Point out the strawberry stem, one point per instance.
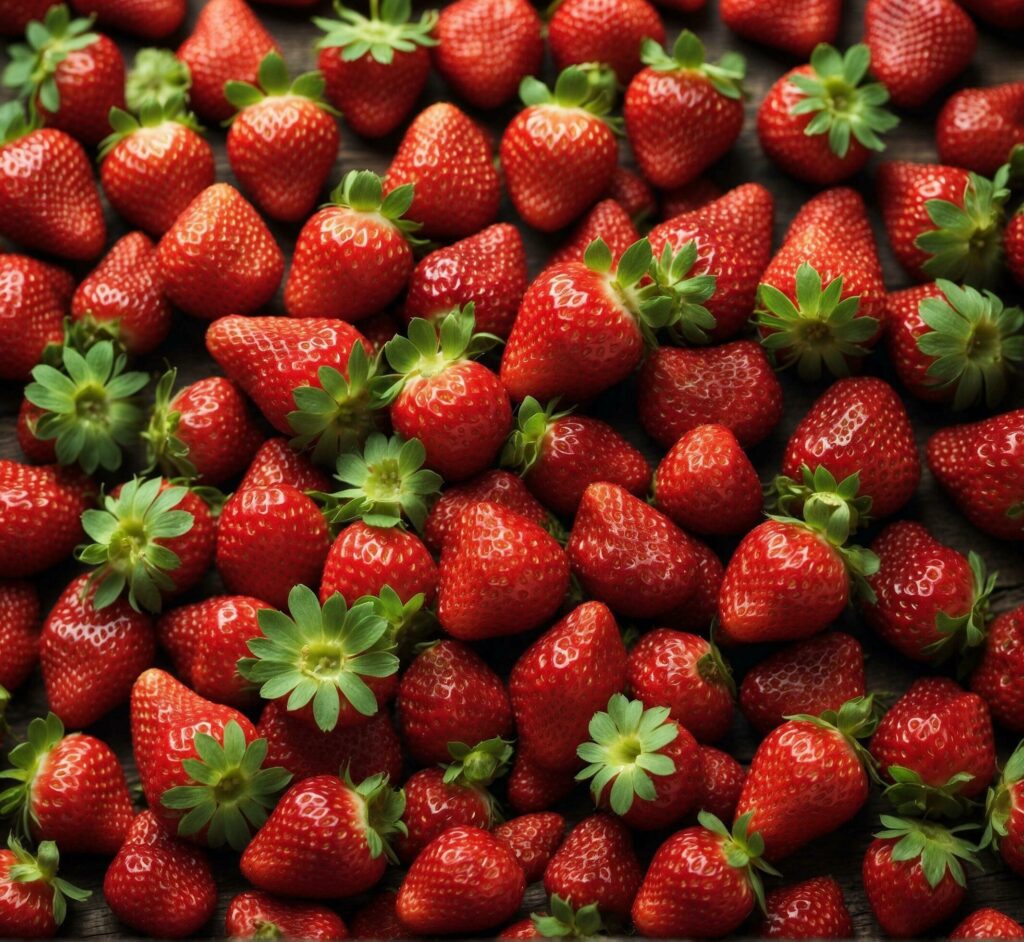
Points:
(938, 848)
(43, 868)
(564, 922)
(42, 737)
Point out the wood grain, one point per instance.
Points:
(999, 59)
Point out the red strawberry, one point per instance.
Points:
(533, 838)
(701, 608)
(813, 909)
(808, 677)
(998, 675)
(917, 46)
(227, 43)
(607, 221)
(15, 15)
(466, 880)
(159, 885)
(255, 915)
(532, 788)
(501, 574)
(377, 919)
(487, 47)
(1004, 812)
(31, 315)
(561, 680)
(979, 127)
(455, 196)
(147, 19)
(681, 113)
(721, 783)
(819, 122)
(19, 631)
(693, 195)
(34, 898)
(36, 449)
(219, 257)
(778, 24)
(988, 923)
(560, 454)
(559, 154)
(981, 466)
(276, 463)
(375, 67)
(632, 192)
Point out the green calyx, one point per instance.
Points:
(626, 750)
(978, 344)
(387, 30)
(157, 78)
(409, 623)
(821, 329)
(963, 633)
(152, 114)
(164, 449)
(524, 446)
(363, 191)
(841, 106)
(127, 547)
(320, 655)
(855, 720)
(831, 508)
(384, 809)
(33, 66)
(1000, 801)
(232, 794)
(564, 922)
(26, 758)
(742, 850)
(939, 849)
(88, 407)
(909, 795)
(274, 83)
(688, 55)
(43, 868)
(13, 122)
(581, 88)
(477, 765)
(966, 245)
(714, 669)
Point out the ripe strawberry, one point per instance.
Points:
(562, 921)
(988, 923)
(487, 47)
(721, 783)
(255, 915)
(147, 19)
(998, 675)
(15, 15)
(560, 454)
(31, 316)
(981, 466)
(822, 296)
(466, 880)
(1004, 813)
(377, 919)
(633, 193)
(703, 881)
(375, 67)
(700, 609)
(35, 449)
(276, 463)
(629, 555)
(808, 677)
(979, 127)
(687, 675)
(808, 777)
(731, 385)
(780, 25)
(533, 838)
(48, 199)
(157, 78)
(455, 196)
(71, 75)
(34, 898)
(561, 680)
(917, 46)
(819, 122)
(532, 788)
(159, 885)
(607, 221)
(19, 631)
(227, 43)
(219, 257)
(690, 196)
(501, 574)
(559, 154)
(610, 32)
(681, 113)
(813, 909)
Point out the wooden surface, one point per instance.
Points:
(999, 59)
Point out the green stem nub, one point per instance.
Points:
(380, 35)
(524, 446)
(909, 794)
(963, 633)
(1000, 802)
(43, 868)
(164, 450)
(410, 624)
(274, 83)
(688, 55)
(742, 850)
(577, 87)
(26, 758)
(477, 765)
(158, 80)
(564, 922)
(384, 809)
(938, 848)
(152, 113)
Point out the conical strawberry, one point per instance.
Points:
(979, 127)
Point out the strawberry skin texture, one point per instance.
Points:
(633, 193)
(998, 676)
(698, 611)
(561, 680)
(813, 909)
(693, 195)
(31, 316)
(988, 923)
(433, 807)
(1013, 243)
(26, 909)
(606, 220)
(19, 631)
(779, 24)
(275, 462)
(533, 838)
(903, 326)
(722, 779)
(159, 885)
(978, 127)
(147, 19)
(251, 915)
(532, 788)
(377, 919)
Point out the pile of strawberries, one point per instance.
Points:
(386, 568)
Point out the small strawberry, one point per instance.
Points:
(532, 788)
(988, 923)
(147, 19)
(978, 128)
(1004, 813)
(721, 783)
(19, 631)
(607, 221)
(998, 675)
(31, 316)
(633, 193)
(778, 24)
(377, 918)
(813, 909)
(533, 838)
(277, 463)
(681, 112)
(34, 898)
(256, 915)
(562, 922)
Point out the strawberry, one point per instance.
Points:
(559, 154)
(375, 67)
(807, 677)
(532, 788)
(31, 316)
(690, 196)
(808, 777)
(700, 609)
(819, 122)
(34, 897)
(606, 220)
(988, 923)
(555, 696)
(560, 454)
(929, 601)
(980, 466)
(682, 113)
(254, 915)
(19, 631)
(153, 166)
(455, 196)
(731, 385)
(276, 463)
(42, 515)
(219, 257)
(780, 25)
(533, 838)
(147, 19)
(71, 75)
(918, 46)
(703, 881)
(687, 675)
(34, 448)
(913, 875)
(465, 880)
(721, 783)
(813, 909)
(487, 47)
(979, 127)
(707, 484)
(1004, 813)
(377, 918)
(48, 199)
(159, 885)
(822, 296)
(610, 32)
(15, 15)
(632, 192)
(487, 269)
(227, 43)
(449, 694)
(501, 574)
(629, 555)
(283, 141)
(997, 676)
(563, 921)
(596, 864)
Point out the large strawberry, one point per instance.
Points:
(979, 127)
(31, 315)
(811, 909)
(33, 899)
(19, 631)
(999, 675)
(778, 24)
